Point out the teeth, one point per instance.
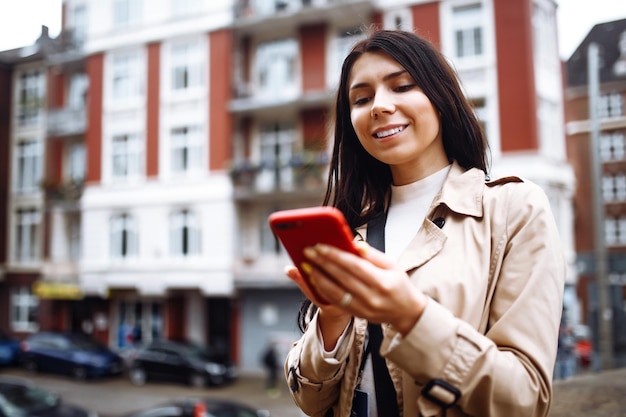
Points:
(389, 132)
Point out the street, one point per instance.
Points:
(591, 395)
(115, 397)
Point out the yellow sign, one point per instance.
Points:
(57, 290)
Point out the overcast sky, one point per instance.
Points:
(21, 20)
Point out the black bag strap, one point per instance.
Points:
(386, 397)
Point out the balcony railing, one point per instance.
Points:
(67, 121)
(67, 191)
(268, 15)
(245, 8)
(305, 172)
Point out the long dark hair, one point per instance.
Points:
(359, 184)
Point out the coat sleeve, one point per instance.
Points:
(508, 370)
(315, 382)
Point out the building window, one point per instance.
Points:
(185, 7)
(269, 242)
(73, 233)
(610, 105)
(187, 149)
(187, 68)
(612, 147)
(78, 23)
(614, 187)
(399, 19)
(126, 76)
(30, 91)
(28, 166)
(126, 156)
(276, 68)
(615, 231)
(545, 37)
(23, 310)
(468, 33)
(126, 13)
(342, 44)
(139, 322)
(276, 154)
(75, 163)
(185, 233)
(124, 236)
(77, 91)
(27, 234)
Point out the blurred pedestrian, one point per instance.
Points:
(566, 353)
(272, 366)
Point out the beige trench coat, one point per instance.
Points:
(494, 273)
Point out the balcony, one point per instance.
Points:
(68, 53)
(67, 122)
(247, 103)
(304, 176)
(280, 14)
(66, 193)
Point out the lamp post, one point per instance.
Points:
(605, 319)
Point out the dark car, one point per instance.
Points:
(73, 354)
(9, 349)
(193, 407)
(20, 397)
(181, 361)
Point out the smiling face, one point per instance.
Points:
(394, 120)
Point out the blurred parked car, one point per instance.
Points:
(69, 353)
(194, 407)
(21, 398)
(181, 361)
(9, 349)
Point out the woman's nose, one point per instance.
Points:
(382, 103)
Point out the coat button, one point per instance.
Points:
(439, 222)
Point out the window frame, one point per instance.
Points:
(272, 80)
(188, 140)
(126, 155)
(124, 236)
(185, 233)
(27, 234)
(28, 165)
(24, 306)
(30, 96)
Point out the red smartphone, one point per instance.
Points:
(299, 228)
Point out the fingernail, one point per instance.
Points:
(323, 249)
(309, 252)
(306, 267)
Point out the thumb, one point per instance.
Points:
(373, 255)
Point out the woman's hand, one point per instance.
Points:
(378, 290)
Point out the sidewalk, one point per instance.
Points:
(601, 394)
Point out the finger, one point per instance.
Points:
(373, 255)
(305, 285)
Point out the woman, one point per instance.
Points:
(469, 289)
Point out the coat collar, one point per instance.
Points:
(462, 192)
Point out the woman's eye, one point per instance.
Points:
(404, 88)
(360, 101)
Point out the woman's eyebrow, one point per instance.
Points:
(385, 78)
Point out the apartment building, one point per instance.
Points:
(23, 74)
(610, 39)
(201, 117)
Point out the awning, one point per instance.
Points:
(57, 290)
